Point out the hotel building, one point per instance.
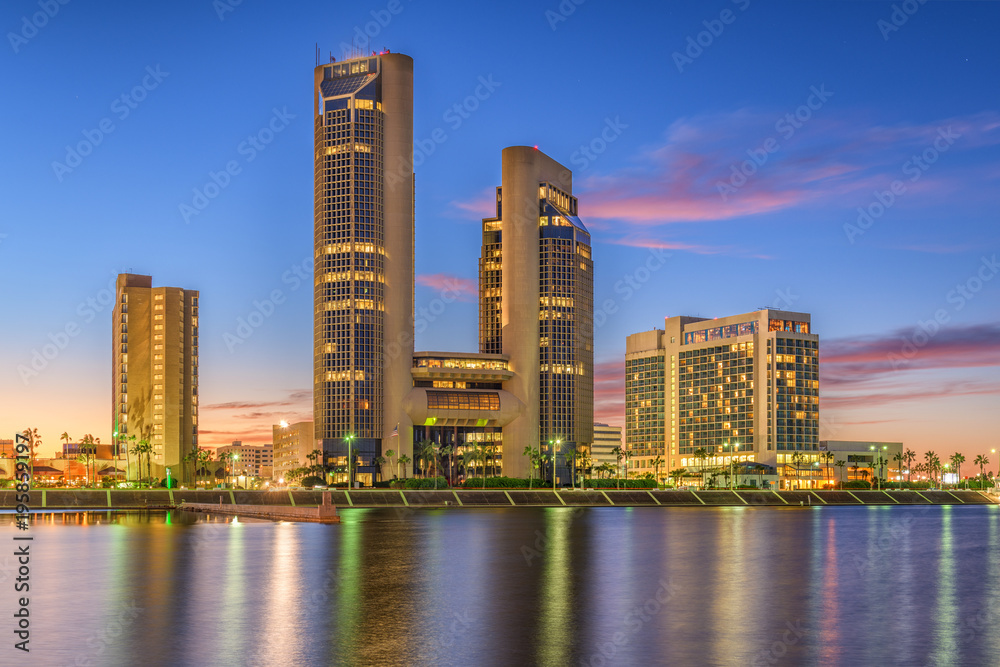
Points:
(536, 287)
(292, 444)
(364, 283)
(155, 371)
(701, 391)
(251, 460)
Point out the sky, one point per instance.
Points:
(838, 158)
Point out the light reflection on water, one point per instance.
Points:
(550, 586)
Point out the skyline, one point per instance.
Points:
(655, 184)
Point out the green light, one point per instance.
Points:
(482, 422)
(430, 421)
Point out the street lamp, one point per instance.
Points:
(554, 445)
(350, 440)
(732, 448)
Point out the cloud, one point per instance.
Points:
(463, 289)
(831, 160)
(854, 360)
(609, 392)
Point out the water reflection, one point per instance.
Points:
(552, 586)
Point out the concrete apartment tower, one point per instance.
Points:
(536, 306)
(745, 385)
(155, 373)
(364, 283)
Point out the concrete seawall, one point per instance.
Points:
(343, 499)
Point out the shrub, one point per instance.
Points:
(857, 484)
(311, 481)
(625, 483)
(503, 483)
(423, 484)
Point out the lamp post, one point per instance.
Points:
(350, 441)
(554, 444)
(733, 447)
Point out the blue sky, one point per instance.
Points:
(652, 126)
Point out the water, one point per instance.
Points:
(547, 586)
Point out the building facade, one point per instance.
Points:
(536, 289)
(250, 460)
(155, 372)
(291, 446)
(606, 438)
(364, 283)
(862, 460)
(702, 391)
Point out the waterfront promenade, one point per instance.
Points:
(161, 499)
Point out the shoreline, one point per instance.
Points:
(163, 499)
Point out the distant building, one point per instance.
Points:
(745, 386)
(606, 438)
(861, 457)
(155, 371)
(251, 460)
(292, 445)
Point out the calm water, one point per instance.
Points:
(609, 586)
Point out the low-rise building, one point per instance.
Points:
(606, 438)
(292, 444)
(862, 459)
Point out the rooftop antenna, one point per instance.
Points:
(317, 54)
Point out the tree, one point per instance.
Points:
(827, 459)
(529, 452)
(701, 454)
(427, 451)
(88, 447)
(469, 458)
(571, 460)
(34, 441)
(982, 461)
(379, 461)
(797, 458)
(390, 454)
(619, 455)
(143, 447)
(899, 458)
(656, 463)
(909, 456)
(677, 474)
(957, 460)
(840, 464)
(445, 454)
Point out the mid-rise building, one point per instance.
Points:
(363, 242)
(248, 460)
(536, 288)
(701, 391)
(606, 438)
(155, 372)
(292, 444)
(861, 460)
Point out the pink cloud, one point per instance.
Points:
(464, 289)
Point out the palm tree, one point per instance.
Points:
(529, 452)
(701, 454)
(469, 458)
(656, 463)
(899, 458)
(445, 454)
(982, 461)
(403, 460)
(619, 455)
(796, 460)
(425, 451)
(840, 464)
(929, 458)
(677, 474)
(571, 462)
(378, 462)
(827, 458)
(956, 461)
(88, 447)
(65, 438)
(34, 441)
(389, 454)
(909, 456)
